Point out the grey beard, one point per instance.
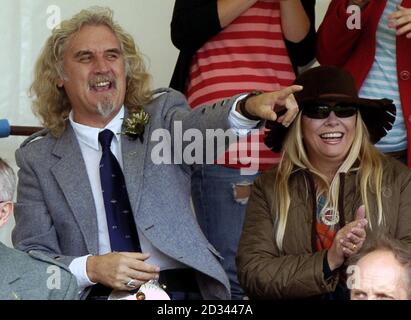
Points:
(105, 108)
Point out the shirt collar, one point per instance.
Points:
(89, 135)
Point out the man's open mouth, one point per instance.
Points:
(102, 85)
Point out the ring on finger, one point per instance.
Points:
(354, 246)
(131, 284)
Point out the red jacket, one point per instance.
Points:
(354, 50)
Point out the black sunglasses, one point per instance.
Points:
(323, 110)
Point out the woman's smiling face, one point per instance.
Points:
(328, 140)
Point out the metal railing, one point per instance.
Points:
(7, 130)
(23, 131)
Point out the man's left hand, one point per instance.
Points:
(267, 105)
(401, 20)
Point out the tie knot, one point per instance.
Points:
(105, 137)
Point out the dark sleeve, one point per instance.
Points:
(193, 23)
(328, 274)
(303, 52)
(335, 42)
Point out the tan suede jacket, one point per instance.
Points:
(265, 273)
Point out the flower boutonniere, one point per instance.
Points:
(135, 124)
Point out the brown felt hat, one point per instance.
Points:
(333, 84)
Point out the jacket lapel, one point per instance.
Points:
(299, 222)
(134, 157)
(71, 175)
(351, 196)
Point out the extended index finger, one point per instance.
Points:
(292, 111)
(284, 93)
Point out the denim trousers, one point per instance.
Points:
(220, 213)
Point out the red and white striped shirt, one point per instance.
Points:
(249, 54)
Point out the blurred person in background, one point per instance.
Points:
(377, 54)
(229, 47)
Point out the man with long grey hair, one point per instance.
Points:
(96, 200)
(33, 275)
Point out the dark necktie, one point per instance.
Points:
(120, 221)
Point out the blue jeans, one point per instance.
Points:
(220, 214)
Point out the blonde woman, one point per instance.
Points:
(331, 188)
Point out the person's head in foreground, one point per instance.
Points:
(333, 133)
(7, 187)
(381, 271)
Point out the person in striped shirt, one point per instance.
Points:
(228, 47)
(377, 55)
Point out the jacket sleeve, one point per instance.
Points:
(335, 41)
(303, 52)
(72, 292)
(200, 122)
(403, 230)
(193, 23)
(34, 228)
(263, 271)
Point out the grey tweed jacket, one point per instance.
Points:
(55, 211)
(34, 276)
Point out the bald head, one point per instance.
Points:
(380, 276)
(7, 181)
(7, 186)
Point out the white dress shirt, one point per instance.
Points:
(87, 138)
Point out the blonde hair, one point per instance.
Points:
(51, 103)
(295, 157)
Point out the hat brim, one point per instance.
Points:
(378, 116)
